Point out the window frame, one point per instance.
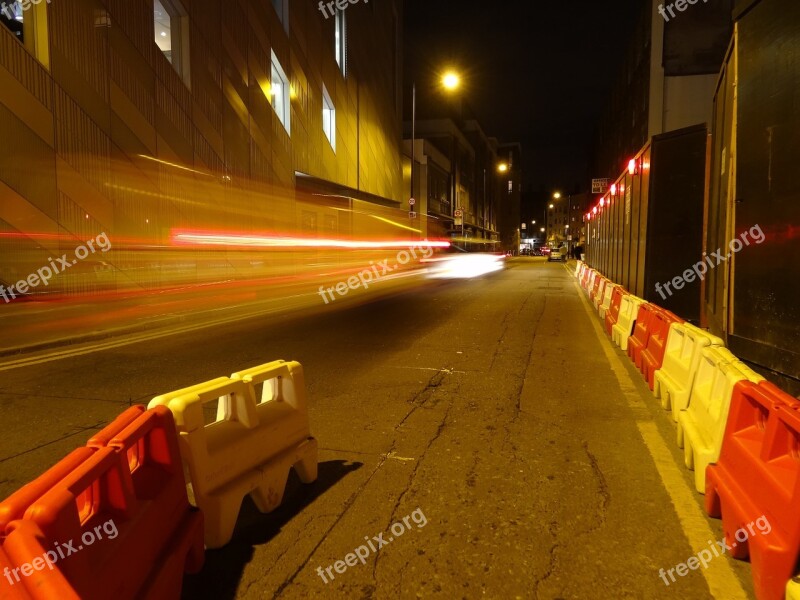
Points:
(330, 107)
(340, 41)
(283, 15)
(285, 101)
(179, 37)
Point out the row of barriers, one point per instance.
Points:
(128, 514)
(739, 433)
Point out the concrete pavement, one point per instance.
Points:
(491, 410)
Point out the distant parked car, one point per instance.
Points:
(557, 254)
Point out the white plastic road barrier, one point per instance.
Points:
(578, 269)
(701, 426)
(597, 299)
(249, 447)
(673, 381)
(628, 312)
(605, 304)
(590, 282)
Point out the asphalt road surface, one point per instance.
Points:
(488, 435)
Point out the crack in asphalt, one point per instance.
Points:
(347, 505)
(80, 430)
(413, 475)
(433, 383)
(552, 562)
(521, 384)
(596, 524)
(605, 495)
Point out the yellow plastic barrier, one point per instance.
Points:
(793, 589)
(628, 312)
(605, 303)
(701, 426)
(673, 381)
(250, 445)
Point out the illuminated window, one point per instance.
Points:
(510, 186)
(28, 23)
(282, 10)
(328, 118)
(341, 42)
(279, 93)
(170, 24)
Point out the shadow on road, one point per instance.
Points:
(223, 568)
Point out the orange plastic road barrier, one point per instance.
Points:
(597, 285)
(14, 507)
(130, 499)
(758, 475)
(641, 333)
(102, 439)
(584, 275)
(587, 277)
(622, 330)
(701, 425)
(613, 311)
(250, 447)
(653, 354)
(673, 381)
(605, 302)
(8, 591)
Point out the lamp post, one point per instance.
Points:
(450, 82)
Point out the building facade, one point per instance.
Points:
(458, 185)
(135, 118)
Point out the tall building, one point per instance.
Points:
(134, 118)
(667, 81)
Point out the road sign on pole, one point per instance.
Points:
(411, 202)
(600, 186)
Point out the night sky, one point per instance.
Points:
(536, 72)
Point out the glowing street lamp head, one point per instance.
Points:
(502, 167)
(451, 81)
(551, 206)
(557, 195)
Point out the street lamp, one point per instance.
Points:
(450, 82)
(502, 167)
